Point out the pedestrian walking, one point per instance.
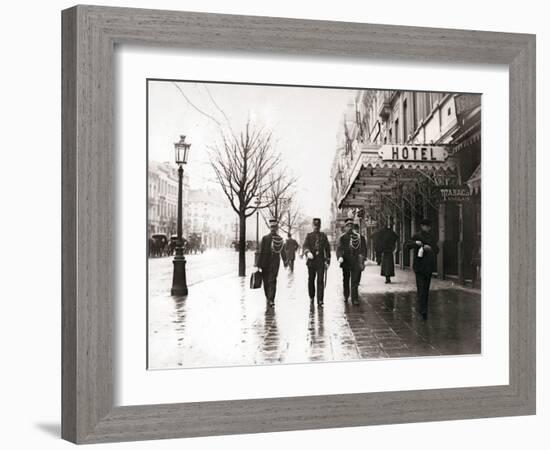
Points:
(351, 253)
(376, 245)
(424, 263)
(387, 239)
(317, 250)
(269, 259)
(289, 250)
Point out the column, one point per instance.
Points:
(413, 230)
(402, 233)
(441, 239)
(402, 121)
(460, 244)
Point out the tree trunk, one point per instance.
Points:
(242, 244)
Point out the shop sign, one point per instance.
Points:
(413, 153)
(455, 193)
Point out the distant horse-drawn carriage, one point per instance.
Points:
(194, 244)
(157, 245)
(160, 245)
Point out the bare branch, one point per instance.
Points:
(196, 108)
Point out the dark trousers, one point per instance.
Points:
(351, 276)
(269, 279)
(316, 271)
(423, 290)
(291, 264)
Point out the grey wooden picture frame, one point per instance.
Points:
(90, 34)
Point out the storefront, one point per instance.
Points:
(398, 185)
(403, 156)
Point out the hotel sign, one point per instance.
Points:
(413, 153)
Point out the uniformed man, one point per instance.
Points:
(269, 259)
(317, 251)
(351, 253)
(424, 263)
(290, 252)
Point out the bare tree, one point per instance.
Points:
(276, 200)
(285, 210)
(291, 218)
(243, 165)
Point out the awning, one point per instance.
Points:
(372, 176)
(464, 142)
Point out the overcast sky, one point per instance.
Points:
(305, 122)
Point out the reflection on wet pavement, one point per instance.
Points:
(222, 322)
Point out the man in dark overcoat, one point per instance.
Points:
(269, 259)
(290, 252)
(351, 253)
(424, 263)
(317, 251)
(387, 239)
(376, 245)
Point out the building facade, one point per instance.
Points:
(402, 156)
(211, 216)
(162, 198)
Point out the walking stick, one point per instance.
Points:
(325, 277)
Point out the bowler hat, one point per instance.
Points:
(426, 222)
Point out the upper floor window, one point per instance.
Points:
(414, 111)
(405, 113)
(396, 131)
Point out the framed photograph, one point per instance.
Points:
(277, 224)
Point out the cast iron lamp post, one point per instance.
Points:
(179, 282)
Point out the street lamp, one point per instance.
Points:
(179, 281)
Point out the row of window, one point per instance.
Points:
(159, 186)
(416, 107)
(164, 209)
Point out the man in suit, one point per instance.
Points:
(290, 252)
(351, 253)
(269, 259)
(317, 251)
(424, 263)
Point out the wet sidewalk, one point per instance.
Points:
(222, 322)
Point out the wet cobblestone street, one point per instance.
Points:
(223, 322)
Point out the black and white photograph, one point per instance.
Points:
(299, 224)
(275, 225)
